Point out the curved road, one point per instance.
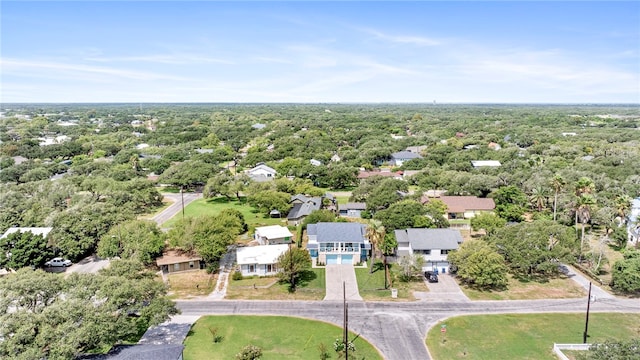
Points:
(398, 329)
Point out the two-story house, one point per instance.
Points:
(338, 243)
(432, 244)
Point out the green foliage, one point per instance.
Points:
(510, 203)
(249, 352)
(46, 315)
(613, 350)
(479, 265)
(209, 236)
(135, 239)
(269, 200)
(21, 249)
(535, 248)
(292, 265)
(488, 222)
(625, 275)
(410, 267)
(402, 215)
(322, 215)
(188, 174)
(237, 275)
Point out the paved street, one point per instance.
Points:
(398, 330)
(336, 275)
(175, 207)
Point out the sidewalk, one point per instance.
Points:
(226, 266)
(596, 291)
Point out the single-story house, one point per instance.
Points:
(273, 235)
(338, 243)
(259, 260)
(466, 207)
(353, 209)
(397, 159)
(315, 162)
(302, 207)
(44, 231)
(173, 261)
(485, 163)
(261, 173)
(432, 244)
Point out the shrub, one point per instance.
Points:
(249, 352)
(237, 275)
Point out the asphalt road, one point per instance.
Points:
(397, 329)
(176, 207)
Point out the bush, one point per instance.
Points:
(237, 275)
(249, 352)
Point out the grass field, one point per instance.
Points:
(556, 288)
(524, 336)
(312, 288)
(184, 285)
(279, 338)
(216, 205)
(371, 286)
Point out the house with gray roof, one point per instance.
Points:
(432, 244)
(338, 243)
(302, 207)
(397, 159)
(352, 209)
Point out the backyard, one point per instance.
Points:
(279, 338)
(524, 336)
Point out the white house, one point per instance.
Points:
(338, 243)
(259, 260)
(272, 235)
(485, 163)
(315, 162)
(432, 244)
(397, 159)
(262, 172)
(44, 231)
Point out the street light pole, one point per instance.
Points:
(182, 196)
(586, 323)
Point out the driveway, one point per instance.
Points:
(175, 207)
(88, 265)
(596, 291)
(335, 276)
(446, 289)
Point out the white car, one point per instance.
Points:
(57, 262)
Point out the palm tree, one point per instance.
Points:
(623, 205)
(375, 233)
(557, 183)
(539, 197)
(584, 185)
(583, 212)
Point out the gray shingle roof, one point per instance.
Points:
(344, 232)
(353, 206)
(427, 239)
(299, 210)
(405, 155)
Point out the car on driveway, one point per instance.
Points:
(431, 276)
(58, 262)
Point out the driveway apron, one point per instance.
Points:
(335, 276)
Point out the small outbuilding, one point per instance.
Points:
(174, 261)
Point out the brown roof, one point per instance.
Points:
(175, 257)
(458, 204)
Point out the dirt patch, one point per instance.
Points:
(189, 284)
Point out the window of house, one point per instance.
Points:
(176, 267)
(191, 264)
(444, 252)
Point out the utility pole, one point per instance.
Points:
(586, 323)
(182, 196)
(346, 321)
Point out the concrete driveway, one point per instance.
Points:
(446, 289)
(335, 276)
(88, 265)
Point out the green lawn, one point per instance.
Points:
(524, 336)
(215, 205)
(279, 337)
(560, 287)
(371, 286)
(312, 287)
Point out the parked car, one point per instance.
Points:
(431, 276)
(58, 262)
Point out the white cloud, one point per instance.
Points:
(403, 39)
(172, 59)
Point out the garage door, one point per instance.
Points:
(332, 259)
(347, 259)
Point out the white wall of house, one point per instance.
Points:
(258, 269)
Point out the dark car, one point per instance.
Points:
(431, 276)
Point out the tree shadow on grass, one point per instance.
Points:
(306, 277)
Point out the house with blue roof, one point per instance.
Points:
(338, 243)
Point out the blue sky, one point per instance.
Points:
(210, 51)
